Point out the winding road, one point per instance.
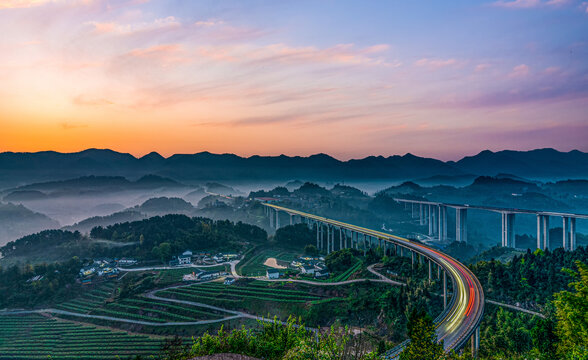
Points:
(462, 316)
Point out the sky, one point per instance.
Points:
(442, 79)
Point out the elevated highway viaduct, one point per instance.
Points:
(458, 323)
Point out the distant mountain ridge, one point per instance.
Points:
(20, 168)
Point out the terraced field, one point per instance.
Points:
(37, 337)
(139, 308)
(215, 292)
(90, 300)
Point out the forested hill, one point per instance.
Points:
(159, 237)
(48, 165)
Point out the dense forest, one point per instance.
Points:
(42, 284)
(156, 238)
(530, 279)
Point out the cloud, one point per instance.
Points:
(85, 100)
(14, 4)
(435, 64)
(482, 67)
(519, 71)
(17, 4)
(127, 29)
(584, 6)
(70, 126)
(341, 54)
(528, 4)
(208, 23)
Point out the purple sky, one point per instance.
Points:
(435, 78)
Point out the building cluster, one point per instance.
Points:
(203, 275)
(188, 258)
(99, 270)
(308, 266)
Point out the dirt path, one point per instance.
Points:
(273, 263)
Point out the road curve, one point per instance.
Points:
(459, 321)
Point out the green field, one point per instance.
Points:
(100, 301)
(37, 337)
(252, 264)
(90, 299)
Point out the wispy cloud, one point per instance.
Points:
(528, 4)
(127, 29)
(519, 71)
(435, 64)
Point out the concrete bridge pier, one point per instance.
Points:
(291, 219)
(271, 219)
(277, 219)
(412, 259)
(421, 215)
(430, 272)
(444, 290)
(508, 239)
(430, 216)
(542, 232)
(461, 225)
(364, 245)
(476, 342)
(572, 233)
(317, 237)
(442, 223)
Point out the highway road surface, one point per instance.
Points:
(459, 321)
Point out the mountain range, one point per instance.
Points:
(543, 164)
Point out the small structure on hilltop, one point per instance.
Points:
(184, 259)
(308, 269)
(272, 273)
(321, 274)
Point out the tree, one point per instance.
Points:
(423, 340)
(572, 315)
(311, 250)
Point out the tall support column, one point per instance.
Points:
(340, 238)
(508, 239)
(476, 342)
(317, 237)
(430, 271)
(546, 232)
(277, 219)
(322, 236)
(444, 289)
(328, 239)
(539, 243)
(438, 272)
(412, 210)
(412, 259)
(572, 234)
(364, 246)
(440, 224)
(565, 233)
(291, 220)
(430, 213)
(444, 223)
(461, 225)
(421, 215)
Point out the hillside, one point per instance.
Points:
(43, 166)
(17, 221)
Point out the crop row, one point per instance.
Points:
(244, 291)
(164, 314)
(193, 293)
(184, 308)
(35, 337)
(257, 289)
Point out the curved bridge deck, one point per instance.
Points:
(461, 318)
